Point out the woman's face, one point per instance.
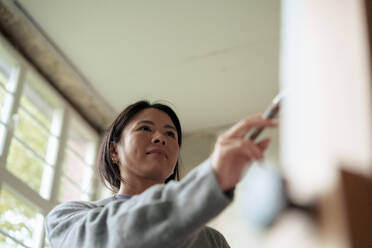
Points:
(148, 147)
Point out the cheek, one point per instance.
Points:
(175, 152)
(136, 145)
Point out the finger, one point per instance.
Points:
(242, 127)
(245, 148)
(235, 128)
(256, 123)
(253, 148)
(263, 144)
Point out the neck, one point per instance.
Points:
(135, 187)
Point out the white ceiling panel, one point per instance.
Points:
(214, 61)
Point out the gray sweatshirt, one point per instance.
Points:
(169, 215)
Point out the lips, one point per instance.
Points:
(158, 151)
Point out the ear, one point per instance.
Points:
(113, 153)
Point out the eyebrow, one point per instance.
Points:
(152, 123)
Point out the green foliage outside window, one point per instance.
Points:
(17, 218)
(24, 165)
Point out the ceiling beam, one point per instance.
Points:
(30, 40)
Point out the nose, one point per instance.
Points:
(159, 138)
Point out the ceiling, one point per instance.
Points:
(214, 61)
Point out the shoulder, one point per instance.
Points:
(69, 212)
(71, 207)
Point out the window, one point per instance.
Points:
(78, 161)
(47, 152)
(34, 136)
(5, 70)
(7, 85)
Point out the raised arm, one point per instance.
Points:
(162, 216)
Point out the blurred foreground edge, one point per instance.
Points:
(357, 197)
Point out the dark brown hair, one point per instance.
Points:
(108, 171)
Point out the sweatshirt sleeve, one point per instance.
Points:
(162, 216)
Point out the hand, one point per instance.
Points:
(232, 153)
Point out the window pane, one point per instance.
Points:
(24, 164)
(81, 139)
(78, 160)
(2, 99)
(69, 191)
(77, 142)
(4, 76)
(75, 169)
(5, 87)
(32, 133)
(17, 218)
(6, 65)
(35, 104)
(2, 137)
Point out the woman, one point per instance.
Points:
(138, 159)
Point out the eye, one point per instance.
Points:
(145, 128)
(171, 134)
